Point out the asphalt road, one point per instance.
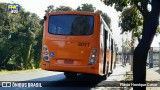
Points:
(57, 81)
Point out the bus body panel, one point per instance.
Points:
(109, 59)
(71, 53)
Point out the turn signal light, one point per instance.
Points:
(45, 53)
(93, 54)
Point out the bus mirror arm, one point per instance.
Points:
(44, 18)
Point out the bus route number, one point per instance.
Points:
(83, 44)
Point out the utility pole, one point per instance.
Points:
(151, 57)
(122, 51)
(132, 51)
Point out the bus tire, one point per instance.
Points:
(70, 75)
(104, 77)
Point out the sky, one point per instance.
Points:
(39, 6)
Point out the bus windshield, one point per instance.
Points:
(71, 24)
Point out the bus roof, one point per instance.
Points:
(106, 26)
(73, 12)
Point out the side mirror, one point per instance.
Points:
(44, 18)
(42, 21)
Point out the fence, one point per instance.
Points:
(153, 56)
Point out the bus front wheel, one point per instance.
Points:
(70, 75)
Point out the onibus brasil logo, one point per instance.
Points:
(13, 8)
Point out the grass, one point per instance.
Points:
(4, 72)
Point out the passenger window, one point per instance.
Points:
(106, 38)
(71, 24)
(109, 42)
(108, 46)
(101, 32)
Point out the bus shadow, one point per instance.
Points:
(59, 82)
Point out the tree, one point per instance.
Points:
(125, 50)
(106, 18)
(17, 37)
(150, 23)
(64, 8)
(86, 7)
(60, 8)
(8, 26)
(91, 8)
(131, 20)
(50, 9)
(83, 7)
(38, 44)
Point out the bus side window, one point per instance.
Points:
(114, 46)
(111, 44)
(106, 38)
(108, 41)
(101, 32)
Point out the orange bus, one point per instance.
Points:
(77, 42)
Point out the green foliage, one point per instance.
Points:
(21, 36)
(126, 45)
(118, 4)
(83, 7)
(91, 8)
(150, 23)
(18, 37)
(86, 7)
(64, 8)
(50, 9)
(134, 14)
(131, 20)
(106, 18)
(60, 8)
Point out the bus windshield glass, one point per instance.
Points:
(71, 24)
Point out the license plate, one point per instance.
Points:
(68, 61)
